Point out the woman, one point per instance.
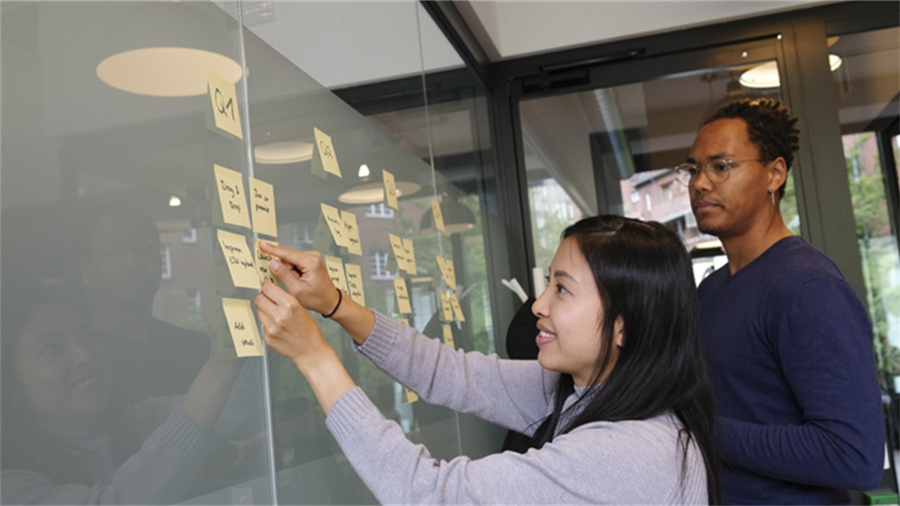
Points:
(65, 443)
(618, 399)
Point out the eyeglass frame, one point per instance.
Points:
(682, 170)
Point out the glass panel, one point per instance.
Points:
(866, 86)
(117, 356)
(369, 98)
(610, 150)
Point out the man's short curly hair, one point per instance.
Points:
(770, 126)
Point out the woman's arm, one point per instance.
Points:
(291, 331)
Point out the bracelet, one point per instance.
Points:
(340, 298)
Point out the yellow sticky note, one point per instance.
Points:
(239, 259)
(403, 306)
(262, 207)
(438, 216)
(411, 396)
(355, 284)
(457, 309)
(410, 253)
(335, 224)
(390, 190)
(243, 327)
(224, 102)
(446, 308)
(448, 335)
(322, 237)
(351, 232)
(230, 184)
(404, 321)
(399, 252)
(326, 153)
(335, 268)
(447, 272)
(262, 263)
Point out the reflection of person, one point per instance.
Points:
(618, 398)
(64, 442)
(787, 339)
(122, 270)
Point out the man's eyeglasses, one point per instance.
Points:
(716, 170)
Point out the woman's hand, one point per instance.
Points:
(289, 328)
(305, 276)
(291, 331)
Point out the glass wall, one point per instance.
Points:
(133, 369)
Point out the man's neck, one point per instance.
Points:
(742, 249)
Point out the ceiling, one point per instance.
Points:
(513, 28)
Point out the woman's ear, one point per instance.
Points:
(619, 332)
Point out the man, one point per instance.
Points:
(122, 271)
(789, 344)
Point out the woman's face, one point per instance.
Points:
(63, 368)
(569, 314)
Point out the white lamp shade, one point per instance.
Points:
(168, 49)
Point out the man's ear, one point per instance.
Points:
(777, 173)
(619, 332)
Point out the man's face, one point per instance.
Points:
(731, 207)
(124, 266)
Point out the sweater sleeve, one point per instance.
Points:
(824, 343)
(631, 462)
(512, 393)
(161, 472)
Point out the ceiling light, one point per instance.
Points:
(457, 216)
(168, 49)
(174, 201)
(280, 153)
(363, 171)
(371, 193)
(765, 75)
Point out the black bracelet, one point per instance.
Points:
(340, 298)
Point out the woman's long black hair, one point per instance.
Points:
(645, 276)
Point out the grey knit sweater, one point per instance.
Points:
(630, 462)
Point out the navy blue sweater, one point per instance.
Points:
(789, 346)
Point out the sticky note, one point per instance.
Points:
(438, 216)
(243, 327)
(410, 253)
(402, 294)
(239, 259)
(322, 238)
(224, 102)
(410, 396)
(325, 151)
(390, 190)
(351, 232)
(448, 335)
(399, 252)
(355, 284)
(335, 268)
(335, 224)
(446, 308)
(262, 207)
(230, 185)
(457, 309)
(262, 263)
(447, 271)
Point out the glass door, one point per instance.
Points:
(612, 149)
